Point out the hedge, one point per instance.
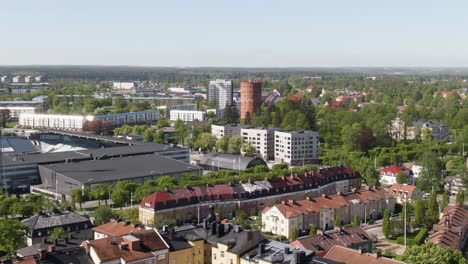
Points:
(421, 236)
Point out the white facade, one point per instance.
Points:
(124, 85)
(263, 139)
(187, 115)
(221, 91)
(416, 170)
(15, 111)
(229, 130)
(28, 79)
(131, 117)
(68, 122)
(17, 79)
(296, 147)
(169, 108)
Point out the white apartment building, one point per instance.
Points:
(29, 79)
(187, 115)
(296, 147)
(228, 130)
(222, 91)
(263, 139)
(67, 122)
(17, 79)
(124, 86)
(168, 108)
(15, 111)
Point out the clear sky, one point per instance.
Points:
(245, 33)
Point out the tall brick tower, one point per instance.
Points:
(251, 97)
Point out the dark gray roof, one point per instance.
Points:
(429, 124)
(18, 144)
(47, 158)
(59, 246)
(275, 253)
(95, 171)
(51, 220)
(229, 161)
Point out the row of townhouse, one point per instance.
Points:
(286, 216)
(192, 203)
(293, 147)
(76, 122)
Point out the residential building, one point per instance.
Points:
(28, 79)
(185, 115)
(25, 87)
(452, 229)
(444, 94)
(345, 255)
(192, 203)
(228, 130)
(262, 139)
(41, 225)
(60, 178)
(282, 218)
(251, 98)
(274, 252)
(146, 246)
(399, 130)
(59, 252)
(76, 122)
(221, 91)
(115, 228)
(216, 161)
(405, 192)
(17, 79)
(296, 147)
(45, 246)
(16, 111)
(417, 169)
(4, 79)
(388, 175)
(168, 108)
(354, 237)
(124, 86)
(454, 185)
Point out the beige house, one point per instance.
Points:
(405, 192)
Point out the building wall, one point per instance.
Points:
(296, 147)
(187, 115)
(262, 140)
(221, 91)
(67, 122)
(220, 131)
(16, 111)
(251, 97)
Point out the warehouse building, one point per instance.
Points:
(63, 177)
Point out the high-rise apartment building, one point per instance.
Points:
(222, 91)
(296, 147)
(262, 139)
(251, 98)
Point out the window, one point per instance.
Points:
(214, 256)
(222, 254)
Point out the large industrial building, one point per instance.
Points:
(222, 91)
(20, 172)
(60, 178)
(251, 98)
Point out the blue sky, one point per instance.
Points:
(255, 33)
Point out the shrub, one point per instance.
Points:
(401, 240)
(421, 236)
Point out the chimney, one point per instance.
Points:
(133, 244)
(283, 202)
(220, 230)
(339, 193)
(360, 251)
(367, 188)
(378, 254)
(354, 190)
(205, 223)
(291, 202)
(51, 249)
(261, 248)
(308, 198)
(165, 229)
(127, 223)
(287, 250)
(324, 195)
(299, 257)
(42, 253)
(213, 228)
(66, 240)
(237, 229)
(283, 178)
(338, 228)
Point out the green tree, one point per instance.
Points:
(235, 144)
(223, 144)
(23, 208)
(337, 221)
(313, 230)
(166, 182)
(386, 224)
(120, 197)
(445, 200)
(433, 208)
(100, 192)
(79, 196)
(102, 215)
(248, 149)
(430, 175)
(402, 178)
(181, 133)
(58, 233)
(294, 234)
(420, 214)
(163, 123)
(206, 142)
(460, 198)
(356, 221)
(430, 253)
(12, 235)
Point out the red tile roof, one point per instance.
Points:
(314, 205)
(336, 103)
(116, 228)
(146, 242)
(351, 256)
(395, 169)
(324, 241)
(452, 228)
(396, 188)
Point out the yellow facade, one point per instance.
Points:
(221, 255)
(192, 255)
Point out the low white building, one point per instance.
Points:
(388, 175)
(67, 122)
(417, 169)
(296, 147)
(262, 139)
(15, 111)
(124, 86)
(185, 115)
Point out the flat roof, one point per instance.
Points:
(95, 171)
(45, 158)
